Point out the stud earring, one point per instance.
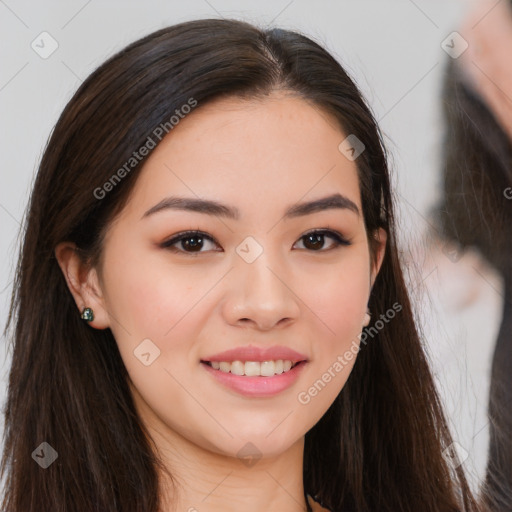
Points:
(367, 318)
(87, 315)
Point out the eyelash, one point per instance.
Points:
(337, 237)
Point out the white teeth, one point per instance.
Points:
(250, 368)
(254, 368)
(279, 366)
(237, 367)
(267, 369)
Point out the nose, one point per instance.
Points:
(261, 295)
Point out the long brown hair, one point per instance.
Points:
(378, 447)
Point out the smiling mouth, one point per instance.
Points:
(254, 368)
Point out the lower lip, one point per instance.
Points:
(257, 387)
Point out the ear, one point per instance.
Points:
(381, 237)
(83, 283)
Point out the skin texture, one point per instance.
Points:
(260, 156)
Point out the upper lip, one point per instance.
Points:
(252, 353)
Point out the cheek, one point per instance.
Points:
(338, 301)
(156, 313)
(338, 295)
(171, 306)
(148, 299)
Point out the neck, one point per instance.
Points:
(214, 482)
(205, 480)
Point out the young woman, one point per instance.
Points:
(210, 232)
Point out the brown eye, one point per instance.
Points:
(190, 242)
(315, 240)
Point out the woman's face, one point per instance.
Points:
(254, 278)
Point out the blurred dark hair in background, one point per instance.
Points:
(476, 211)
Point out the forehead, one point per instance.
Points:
(254, 153)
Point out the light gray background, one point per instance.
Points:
(393, 50)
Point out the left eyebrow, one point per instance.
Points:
(210, 207)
